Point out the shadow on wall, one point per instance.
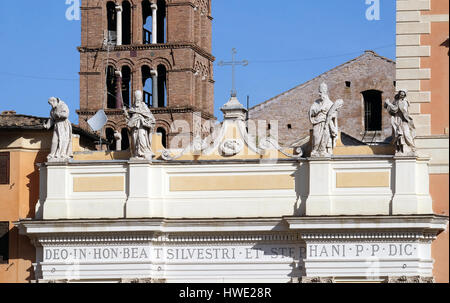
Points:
(301, 189)
(446, 44)
(33, 183)
(21, 252)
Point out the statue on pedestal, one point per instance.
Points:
(61, 149)
(141, 125)
(323, 116)
(403, 129)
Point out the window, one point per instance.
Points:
(372, 110)
(111, 87)
(147, 84)
(112, 22)
(4, 242)
(126, 86)
(162, 86)
(147, 22)
(161, 20)
(4, 168)
(348, 83)
(126, 23)
(125, 139)
(163, 133)
(289, 126)
(111, 139)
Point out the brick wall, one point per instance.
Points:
(186, 56)
(367, 72)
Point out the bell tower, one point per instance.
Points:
(162, 47)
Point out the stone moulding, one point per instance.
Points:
(142, 281)
(413, 279)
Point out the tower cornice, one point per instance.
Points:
(138, 47)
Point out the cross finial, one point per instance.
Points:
(233, 64)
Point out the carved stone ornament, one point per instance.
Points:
(268, 143)
(318, 280)
(231, 147)
(142, 281)
(413, 279)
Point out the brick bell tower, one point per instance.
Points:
(162, 47)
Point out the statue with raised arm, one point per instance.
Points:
(323, 116)
(61, 149)
(403, 129)
(141, 124)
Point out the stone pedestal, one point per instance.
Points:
(319, 202)
(411, 187)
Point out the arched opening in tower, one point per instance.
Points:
(112, 22)
(126, 85)
(372, 110)
(163, 133)
(147, 22)
(162, 86)
(126, 23)
(162, 22)
(110, 87)
(109, 133)
(147, 85)
(125, 139)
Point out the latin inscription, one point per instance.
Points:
(232, 253)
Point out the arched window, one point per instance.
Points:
(147, 85)
(126, 85)
(147, 22)
(372, 110)
(110, 138)
(162, 21)
(163, 133)
(162, 86)
(126, 23)
(125, 139)
(112, 22)
(111, 87)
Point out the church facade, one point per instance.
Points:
(235, 211)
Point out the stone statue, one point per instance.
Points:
(323, 116)
(403, 129)
(118, 138)
(141, 125)
(61, 149)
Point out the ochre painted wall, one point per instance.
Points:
(438, 108)
(440, 193)
(17, 201)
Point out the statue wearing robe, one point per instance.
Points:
(61, 149)
(141, 125)
(403, 129)
(323, 116)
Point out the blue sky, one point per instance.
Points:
(286, 42)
